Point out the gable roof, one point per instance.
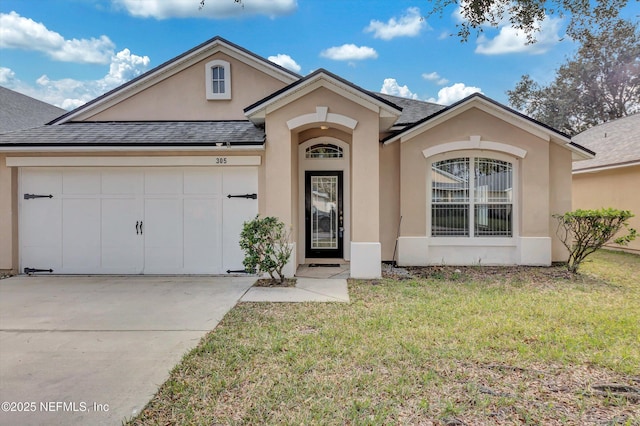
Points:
(321, 77)
(134, 135)
(177, 64)
(616, 142)
(490, 106)
(18, 111)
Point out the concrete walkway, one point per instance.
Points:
(306, 290)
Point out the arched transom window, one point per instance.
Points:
(471, 197)
(323, 151)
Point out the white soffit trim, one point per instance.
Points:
(171, 148)
(327, 82)
(474, 142)
(322, 116)
(219, 161)
(175, 67)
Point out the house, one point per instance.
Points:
(19, 111)
(610, 179)
(158, 175)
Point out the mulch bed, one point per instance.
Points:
(268, 282)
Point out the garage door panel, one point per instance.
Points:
(43, 182)
(81, 182)
(236, 211)
(202, 242)
(163, 233)
(121, 250)
(80, 235)
(163, 181)
(122, 181)
(201, 181)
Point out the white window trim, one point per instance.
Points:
(473, 239)
(209, 80)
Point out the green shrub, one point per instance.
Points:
(265, 243)
(584, 231)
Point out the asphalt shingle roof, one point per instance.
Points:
(412, 110)
(18, 111)
(156, 133)
(615, 143)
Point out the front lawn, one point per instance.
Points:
(449, 346)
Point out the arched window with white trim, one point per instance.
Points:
(218, 80)
(472, 196)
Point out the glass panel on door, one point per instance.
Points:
(324, 212)
(324, 219)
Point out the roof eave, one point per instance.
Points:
(257, 111)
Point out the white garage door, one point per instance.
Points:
(135, 220)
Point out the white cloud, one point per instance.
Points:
(512, 40)
(7, 76)
(409, 25)
(17, 32)
(212, 9)
(68, 93)
(450, 94)
(285, 61)
(349, 52)
(390, 86)
(435, 77)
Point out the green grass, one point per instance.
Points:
(479, 346)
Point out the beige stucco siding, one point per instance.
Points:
(389, 198)
(182, 96)
(541, 179)
(559, 195)
(281, 168)
(615, 188)
(533, 179)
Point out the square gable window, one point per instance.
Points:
(218, 83)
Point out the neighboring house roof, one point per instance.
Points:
(138, 134)
(617, 144)
(177, 64)
(18, 111)
(497, 109)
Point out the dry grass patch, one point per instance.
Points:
(480, 346)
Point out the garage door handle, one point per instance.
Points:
(137, 229)
(140, 227)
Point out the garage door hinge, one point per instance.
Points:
(31, 271)
(251, 196)
(30, 196)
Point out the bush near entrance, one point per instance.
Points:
(265, 243)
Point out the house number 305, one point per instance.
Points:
(221, 160)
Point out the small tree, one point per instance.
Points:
(265, 243)
(584, 231)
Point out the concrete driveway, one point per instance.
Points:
(93, 350)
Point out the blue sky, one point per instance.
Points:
(67, 52)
